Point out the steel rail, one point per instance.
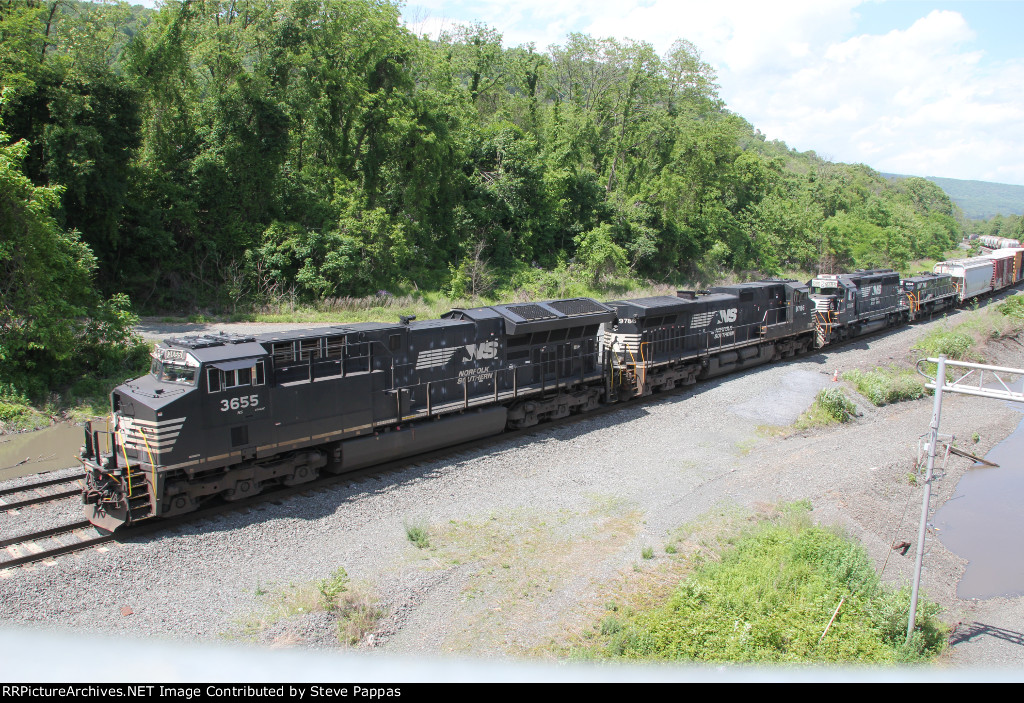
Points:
(44, 533)
(41, 499)
(41, 484)
(56, 551)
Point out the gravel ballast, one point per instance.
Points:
(528, 535)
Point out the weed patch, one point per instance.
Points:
(418, 536)
(885, 386)
(354, 608)
(830, 406)
(769, 598)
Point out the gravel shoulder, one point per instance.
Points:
(529, 536)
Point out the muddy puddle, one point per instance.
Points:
(27, 453)
(983, 522)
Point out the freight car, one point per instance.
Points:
(996, 243)
(226, 416)
(972, 277)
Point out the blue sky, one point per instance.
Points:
(922, 88)
(915, 87)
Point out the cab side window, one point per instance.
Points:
(237, 377)
(213, 380)
(218, 379)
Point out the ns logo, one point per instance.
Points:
(482, 351)
(727, 315)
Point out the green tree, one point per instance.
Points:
(54, 325)
(599, 254)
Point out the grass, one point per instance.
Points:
(768, 597)
(515, 563)
(884, 386)
(830, 406)
(354, 608)
(88, 398)
(963, 342)
(523, 285)
(418, 536)
(17, 413)
(966, 340)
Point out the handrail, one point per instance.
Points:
(152, 464)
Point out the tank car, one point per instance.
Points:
(996, 243)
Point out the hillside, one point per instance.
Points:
(980, 200)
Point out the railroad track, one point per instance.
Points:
(47, 544)
(58, 541)
(40, 492)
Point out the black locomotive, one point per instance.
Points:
(226, 415)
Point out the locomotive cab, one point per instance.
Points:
(158, 422)
(829, 293)
(852, 304)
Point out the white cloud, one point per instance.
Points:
(919, 100)
(911, 101)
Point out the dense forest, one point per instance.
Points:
(222, 152)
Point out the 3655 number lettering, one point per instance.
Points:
(239, 403)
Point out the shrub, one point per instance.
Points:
(885, 386)
(954, 344)
(1013, 307)
(830, 406)
(834, 402)
(770, 599)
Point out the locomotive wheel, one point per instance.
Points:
(179, 504)
(303, 474)
(243, 489)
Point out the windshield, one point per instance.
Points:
(171, 372)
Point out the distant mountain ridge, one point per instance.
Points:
(980, 200)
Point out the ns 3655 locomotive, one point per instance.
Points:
(226, 416)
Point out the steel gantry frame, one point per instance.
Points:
(971, 382)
